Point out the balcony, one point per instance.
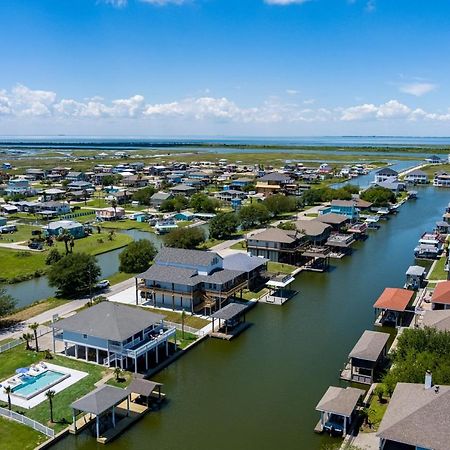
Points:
(151, 341)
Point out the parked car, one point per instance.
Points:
(35, 245)
(103, 284)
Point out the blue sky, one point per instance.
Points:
(225, 67)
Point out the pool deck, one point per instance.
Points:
(75, 376)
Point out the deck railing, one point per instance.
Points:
(27, 421)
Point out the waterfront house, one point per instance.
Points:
(416, 417)
(75, 176)
(386, 174)
(35, 174)
(366, 358)
(441, 296)
(441, 179)
(110, 213)
(434, 159)
(415, 277)
(437, 318)
(337, 221)
(430, 246)
(395, 186)
(158, 198)
(417, 176)
(113, 334)
(277, 245)
(316, 231)
(391, 308)
(80, 185)
(192, 280)
(255, 268)
(338, 409)
(56, 228)
(344, 207)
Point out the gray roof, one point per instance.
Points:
(161, 196)
(387, 171)
(277, 235)
(243, 262)
(417, 416)
(221, 276)
(229, 311)
(100, 399)
(437, 318)
(169, 255)
(182, 187)
(332, 218)
(340, 401)
(65, 224)
(417, 271)
(167, 274)
(369, 346)
(312, 227)
(275, 176)
(109, 320)
(417, 172)
(142, 386)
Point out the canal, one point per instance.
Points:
(259, 391)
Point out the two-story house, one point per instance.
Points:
(345, 207)
(417, 177)
(192, 280)
(277, 245)
(19, 186)
(386, 174)
(114, 335)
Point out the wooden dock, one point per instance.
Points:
(231, 333)
(82, 423)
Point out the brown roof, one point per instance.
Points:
(441, 293)
(332, 218)
(437, 318)
(277, 235)
(312, 227)
(394, 299)
(369, 346)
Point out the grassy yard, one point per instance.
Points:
(127, 224)
(375, 413)
(438, 272)
(188, 339)
(275, 267)
(431, 169)
(23, 233)
(21, 265)
(250, 295)
(118, 277)
(241, 245)
(35, 309)
(15, 436)
(174, 316)
(19, 357)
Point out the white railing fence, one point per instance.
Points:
(186, 328)
(16, 342)
(27, 421)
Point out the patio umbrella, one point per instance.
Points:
(22, 370)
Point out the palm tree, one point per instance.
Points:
(85, 196)
(117, 373)
(8, 391)
(65, 237)
(183, 315)
(114, 206)
(50, 395)
(34, 326)
(27, 338)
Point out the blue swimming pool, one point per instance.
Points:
(33, 385)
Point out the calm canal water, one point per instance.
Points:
(259, 391)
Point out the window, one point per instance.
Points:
(85, 336)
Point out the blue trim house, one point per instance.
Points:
(344, 207)
(56, 228)
(113, 334)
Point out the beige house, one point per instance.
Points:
(110, 213)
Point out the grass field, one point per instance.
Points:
(375, 412)
(35, 309)
(21, 265)
(275, 267)
(118, 277)
(438, 272)
(23, 233)
(431, 169)
(126, 224)
(15, 436)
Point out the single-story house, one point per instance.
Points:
(56, 228)
(110, 213)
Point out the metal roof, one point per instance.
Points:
(142, 386)
(369, 346)
(340, 401)
(229, 311)
(100, 400)
(243, 262)
(109, 320)
(417, 271)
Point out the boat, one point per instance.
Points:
(165, 226)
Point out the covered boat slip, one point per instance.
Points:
(391, 308)
(338, 408)
(231, 321)
(366, 358)
(279, 293)
(109, 410)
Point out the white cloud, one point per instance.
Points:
(23, 104)
(292, 92)
(309, 101)
(417, 88)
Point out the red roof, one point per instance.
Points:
(394, 299)
(441, 293)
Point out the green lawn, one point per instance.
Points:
(431, 169)
(22, 265)
(35, 309)
(127, 224)
(15, 436)
(188, 339)
(19, 357)
(250, 295)
(175, 316)
(275, 267)
(241, 245)
(375, 413)
(438, 272)
(23, 233)
(118, 277)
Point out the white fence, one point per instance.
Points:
(27, 421)
(16, 342)
(186, 328)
